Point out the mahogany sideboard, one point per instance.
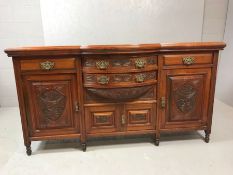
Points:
(109, 90)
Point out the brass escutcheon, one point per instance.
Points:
(140, 63)
(103, 79)
(188, 60)
(47, 65)
(102, 64)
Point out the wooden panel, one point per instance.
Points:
(187, 96)
(119, 63)
(120, 80)
(102, 119)
(51, 102)
(198, 58)
(35, 64)
(140, 116)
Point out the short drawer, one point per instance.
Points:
(191, 59)
(120, 80)
(119, 63)
(47, 64)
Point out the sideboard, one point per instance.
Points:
(110, 90)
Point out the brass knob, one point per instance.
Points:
(140, 63)
(102, 64)
(140, 78)
(47, 65)
(188, 60)
(103, 79)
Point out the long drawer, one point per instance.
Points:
(119, 63)
(120, 80)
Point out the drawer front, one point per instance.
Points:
(140, 116)
(120, 80)
(101, 119)
(94, 95)
(188, 59)
(47, 64)
(119, 63)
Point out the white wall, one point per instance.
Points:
(71, 22)
(20, 25)
(214, 20)
(224, 89)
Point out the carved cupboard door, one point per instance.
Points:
(51, 103)
(184, 97)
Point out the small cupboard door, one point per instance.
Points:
(52, 104)
(139, 116)
(184, 97)
(102, 119)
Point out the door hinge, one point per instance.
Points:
(163, 102)
(77, 107)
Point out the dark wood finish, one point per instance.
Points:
(109, 90)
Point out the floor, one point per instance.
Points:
(178, 154)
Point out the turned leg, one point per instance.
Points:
(157, 139)
(207, 136)
(28, 149)
(84, 147)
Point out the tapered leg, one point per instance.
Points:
(157, 139)
(28, 149)
(84, 147)
(207, 136)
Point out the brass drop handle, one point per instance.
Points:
(188, 60)
(163, 102)
(47, 65)
(123, 120)
(103, 80)
(140, 78)
(140, 63)
(102, 64)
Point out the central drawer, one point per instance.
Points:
(120, 80)
(119, 63)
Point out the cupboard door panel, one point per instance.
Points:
(186, 95)
(51, 101)
(140, 116)
(102, 119)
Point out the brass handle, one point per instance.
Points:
(188, 60)
(102, 64)
(140, 78)
(163, 102)
(103, 79)
(140, 63)
(123, 119)
(47, 65)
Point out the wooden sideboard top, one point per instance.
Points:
(111, 49)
